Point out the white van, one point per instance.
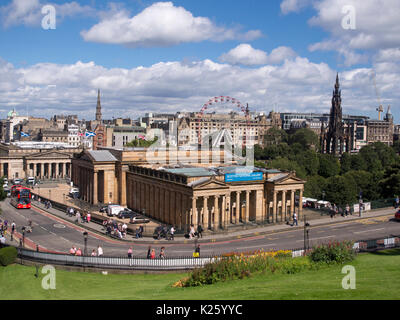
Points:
(113, 210)
(31, 180)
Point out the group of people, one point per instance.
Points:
(193, 233)
(78, 252)
(115, 229)
(151, 253)
(47, 204)
(335, 210)
(165, 232)
(83, 217)
(3, 231)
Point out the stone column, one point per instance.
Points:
(284, 205)
(301, 204)
(205, 213)
(275, 204)
(227, 209)
(64, 165)
(194, 211)
(247, 212)
(238, 207)
(216, 213)
(50, 170)
(95, 187)
(292, 202)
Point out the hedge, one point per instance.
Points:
(8, 256)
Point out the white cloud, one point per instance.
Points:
(295, 85)
(376, 22)
(29, 12)
(161, 24)
(245, 54)
(288, 6)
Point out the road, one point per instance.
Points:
(58, 235)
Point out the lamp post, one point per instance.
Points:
(360, 202)
(23, 236)
(306, 234)
(85, 238)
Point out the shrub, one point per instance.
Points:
(334, 252)
(8, 255)
(239, 266)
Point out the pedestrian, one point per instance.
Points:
(397, 202)
(141, 232)
(99, 251)
(199, 231)
(295, 219)
(191, 232)
(13, 227)
(130, 253)
(172, 231)
(2, 241)
(149, 252)
(88, 217)
(196, 253)
(93, 252)
(78, 252)
(162, 253)
(347, 211)
(78, 217)
(72, 251)
(153, 254)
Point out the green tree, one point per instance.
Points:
(341, 190)
(275, 136)
(329, 165)
(288, 165)
(314, 187)
(365, 181)
(306, 138)
(345, 163)
(309, 160)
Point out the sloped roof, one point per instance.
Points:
(102, 155)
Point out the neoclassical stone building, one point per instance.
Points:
(216, 195)
(216, 198)
(36, 159)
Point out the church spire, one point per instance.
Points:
(98, 107)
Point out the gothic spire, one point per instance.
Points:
(98, 107)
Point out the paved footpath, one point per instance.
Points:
(248, 233)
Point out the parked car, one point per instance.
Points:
(139, 220)
(30, 180)
(74, 193)
(127, 214)
(397, 216)
(17, 181)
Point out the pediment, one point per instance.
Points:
(48, 155)
(290, 179)
(211, 184)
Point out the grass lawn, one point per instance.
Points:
(377, 275)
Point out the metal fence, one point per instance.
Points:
(173, 263)
(134, 263)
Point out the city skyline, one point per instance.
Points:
(280, 55)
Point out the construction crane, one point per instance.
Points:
(380, 106)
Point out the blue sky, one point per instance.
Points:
(221, 47)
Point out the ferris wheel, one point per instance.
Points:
(219, 101)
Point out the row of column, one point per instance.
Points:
(159, 202)
(39, 169)
(285, 215)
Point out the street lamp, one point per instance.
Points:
(85, 238)
(306, 234)
(360, 205)
(23, 236)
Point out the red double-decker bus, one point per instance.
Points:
(21, 197)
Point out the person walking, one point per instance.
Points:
(94, 253)
(149, 252)
(88, 217)
(196, 253)
(191, 232)
(199, 231)
(78, 217)
(130, 251)
(162, 253)
(172, 231)
(78, 252)
(99, 251)
(295, 219)
(13, 228)
(153, 254)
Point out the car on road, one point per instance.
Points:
(397, 216)
(30, 180)
(127, 214)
